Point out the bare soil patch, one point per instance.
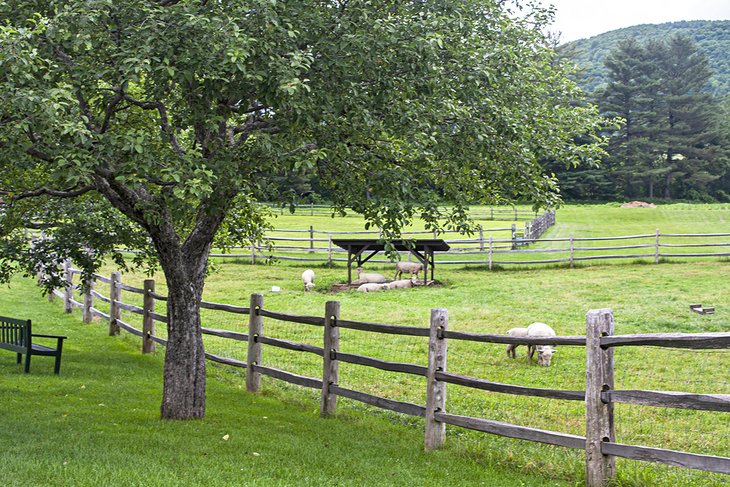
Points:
(638, 204)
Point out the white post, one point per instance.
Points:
(656, 248)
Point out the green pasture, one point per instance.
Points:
(645, 298)
(578, 221)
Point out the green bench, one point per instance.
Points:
(16, 336)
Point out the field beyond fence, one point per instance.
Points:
(344, 346)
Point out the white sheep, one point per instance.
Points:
(515, 332)
(370, 287)
(409, 267)
(364, 277)
(308, 279)
(403, 283)
(544, 352)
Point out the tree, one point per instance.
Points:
(670, 137)
(161, 125)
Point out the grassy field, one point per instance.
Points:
(579, 221)
(644, 298)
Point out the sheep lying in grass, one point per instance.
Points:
(515, 332)
(371, 287)
(403, 283)
(409, 267)
(544, 352)
(364, 277)
(308, 279)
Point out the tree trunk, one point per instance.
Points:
(183, 393)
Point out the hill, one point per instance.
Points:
(713, 37)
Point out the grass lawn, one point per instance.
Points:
(645, 298)
(98, 424)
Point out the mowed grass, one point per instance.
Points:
(645, 298)
(98, 424)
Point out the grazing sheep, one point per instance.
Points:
(371, 287)
(363, 277)
(409, 267)
(403, 283)
(308, 279)
(544, 352)
(515, 332)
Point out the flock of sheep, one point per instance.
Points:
(371, 282)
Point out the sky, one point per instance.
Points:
(577, 19)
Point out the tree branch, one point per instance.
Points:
(164, 120)
(66, 193)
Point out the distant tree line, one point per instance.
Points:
(672, 142)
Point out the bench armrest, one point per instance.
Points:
(49, 336)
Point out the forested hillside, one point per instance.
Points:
(712, 37)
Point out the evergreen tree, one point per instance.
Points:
(670, 140)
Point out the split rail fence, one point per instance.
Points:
(314, 243)
(600, 396)
(504, 214)
(515, 250)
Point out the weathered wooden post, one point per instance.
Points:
(656, 248)
(436, 390)
(330, 374)
(311, 239)
(115, 297)
(491, 248)
(329, 250)
(481, 238)
(88, 316)
(572, 250)
(68, 288)
(255, 329)
(600, 468)
(514, 236)
(148, 324)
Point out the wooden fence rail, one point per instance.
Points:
(600, 394)
(518, 248)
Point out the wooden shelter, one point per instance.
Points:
(361, 250)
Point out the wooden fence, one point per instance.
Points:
(491, 213)
(599, 443)
(517, 250)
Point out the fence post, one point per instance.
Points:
(68, 289)
(311, 239)
(600, 468)
(329, 250)
(115, 296)
(515, 208)
(572, 250)
(514, 236)
(330, 373)
(656, 251)
(490, 252)
(255, 329)
(436, 390)
(481, 238)
(148, 324)
(88, 316)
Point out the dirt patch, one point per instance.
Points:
(336, 288)
(638, 204)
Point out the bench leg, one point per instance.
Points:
(57, 367)
(27, 363)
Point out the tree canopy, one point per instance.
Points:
(673, 142)
(159, 125)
